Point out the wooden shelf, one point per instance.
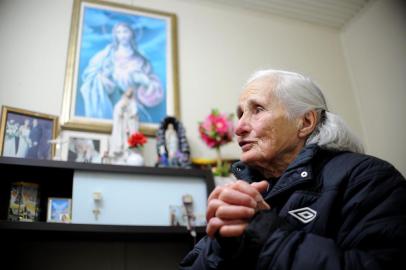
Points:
(44, 230)
(107, 167)
(56, 177)
(47, 246)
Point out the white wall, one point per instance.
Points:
(375, 46)
(219, 47)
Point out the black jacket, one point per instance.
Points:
(329, 210)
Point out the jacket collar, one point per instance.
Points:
(298, 172)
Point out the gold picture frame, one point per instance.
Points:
(116, 49)
(27, 134)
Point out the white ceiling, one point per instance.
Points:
(332, 13)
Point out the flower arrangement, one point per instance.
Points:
(216, 130)
(137, 140)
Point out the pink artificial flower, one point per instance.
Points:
(217, 129)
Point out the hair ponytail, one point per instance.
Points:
(333, 133)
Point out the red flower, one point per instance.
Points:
(137, 139)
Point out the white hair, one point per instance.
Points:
(299, 94)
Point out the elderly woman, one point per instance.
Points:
(308, 198)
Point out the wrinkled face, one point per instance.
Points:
(264, 132)
(123, 34)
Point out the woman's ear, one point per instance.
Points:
(307, 124)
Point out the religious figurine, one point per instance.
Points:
(125, 123)
(172, 145)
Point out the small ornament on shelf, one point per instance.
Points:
(125, 124)
(190, 216)
(135, 144)
(172, 145)
(98, 202)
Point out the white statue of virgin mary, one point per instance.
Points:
(125, 123)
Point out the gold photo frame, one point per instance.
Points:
(27, 134)
(115, 51)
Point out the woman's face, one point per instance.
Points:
(123, 34)
(264, 132)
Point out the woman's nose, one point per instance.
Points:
(242, 127)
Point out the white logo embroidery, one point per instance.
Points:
(305, 214)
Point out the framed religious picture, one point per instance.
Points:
(79, 146)
(119, 53)
(27, 134)
(59, 210)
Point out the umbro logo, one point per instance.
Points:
(305, 214)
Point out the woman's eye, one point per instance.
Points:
(239, 113)
(258, 109)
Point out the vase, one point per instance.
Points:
(135, 157)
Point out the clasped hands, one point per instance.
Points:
(231, 206)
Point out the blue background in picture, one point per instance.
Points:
(151, 40)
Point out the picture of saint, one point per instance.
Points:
(121, 51)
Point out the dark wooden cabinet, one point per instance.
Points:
(42, 245)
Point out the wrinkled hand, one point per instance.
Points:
(230, 207)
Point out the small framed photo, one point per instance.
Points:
(59, 210)
(27, 134)
(79, 146)
(114, 50)
(24, 202)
